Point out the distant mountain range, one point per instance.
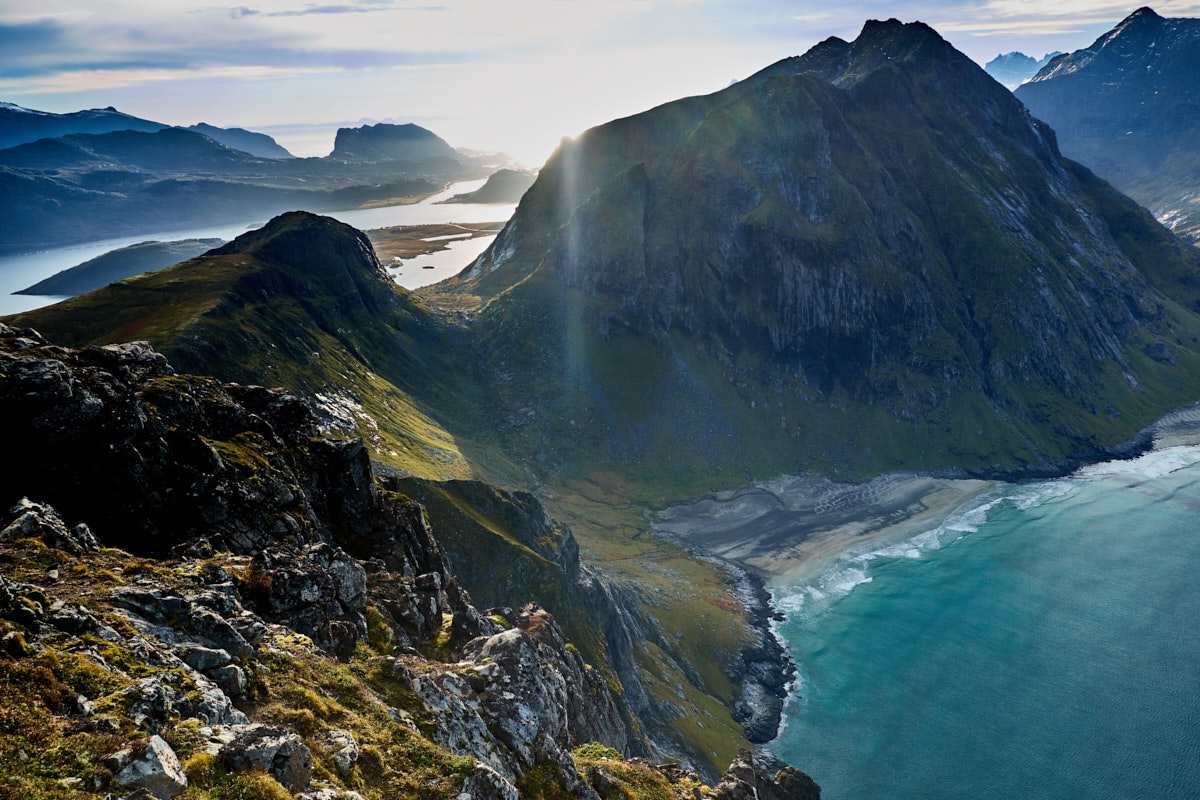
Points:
(20, 125)
(1013, 69)
(386, 142)
(1128, 107)
(256, 144)
(86, 186)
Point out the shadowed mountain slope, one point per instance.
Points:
(1128, 107)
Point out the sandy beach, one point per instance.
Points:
(791, 526)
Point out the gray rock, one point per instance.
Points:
(275, 750)
(329, 793)
(487, 784)
(347, 755)
(744, 780)
(231, 678)
(157, 770)
(202, 658)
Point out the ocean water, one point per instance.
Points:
(1041, 643)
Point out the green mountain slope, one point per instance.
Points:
(1128, 107)
(866, 258)
(302, 303)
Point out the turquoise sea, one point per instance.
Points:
(1042, 643)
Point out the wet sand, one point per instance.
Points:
(790, 526)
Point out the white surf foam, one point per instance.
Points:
(1154, 464)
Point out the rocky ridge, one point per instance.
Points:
(276, 620)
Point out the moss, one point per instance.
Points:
(38, 748)
(595, 751)
(543, 781)
(379, 633)
(209, 780)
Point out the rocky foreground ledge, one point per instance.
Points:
(200, 596)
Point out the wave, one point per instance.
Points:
(853, 567)
(1154, 464)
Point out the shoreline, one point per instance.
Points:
(787, 528)
(793, 528)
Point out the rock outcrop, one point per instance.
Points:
(157, 770)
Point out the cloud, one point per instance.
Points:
(311, 10)
(25, 38)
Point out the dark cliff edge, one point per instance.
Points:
(200, 592)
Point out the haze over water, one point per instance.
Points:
(1041, 643)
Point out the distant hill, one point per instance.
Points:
(19, 125)
(1128, 107)
(1013, 69)
(115, 265)
(165, 150)
(85, 187)
(256, 144)
(503, 186)
(386, 142)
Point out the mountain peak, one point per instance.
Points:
(308, 244)
(387, 142)
(898, 31)
(1145, 12)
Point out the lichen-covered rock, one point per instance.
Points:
(534, 686)
(486, 784)
(347, 755)
(274, 750)
(157, 770)
(744, 780)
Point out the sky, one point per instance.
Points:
(510, 75)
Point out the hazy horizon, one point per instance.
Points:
(514, 76)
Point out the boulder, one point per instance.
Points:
(157, 770)
(274, 750)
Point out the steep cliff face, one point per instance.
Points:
(307, 632)
(866, 257)
(1128, 107)
(504, 547)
